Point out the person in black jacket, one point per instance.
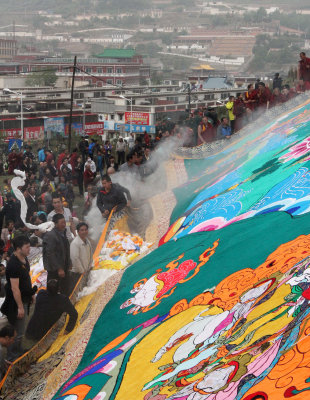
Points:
(7, 337)
(112, 164)
(18, 292)
(50, 305)
(11, 209)
(31, 202)
(56, 254)
(277, 81)
(83, 147)
(112, 195)
(79, 171)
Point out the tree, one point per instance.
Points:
(261, 14)
(42, 78)
(156, 78)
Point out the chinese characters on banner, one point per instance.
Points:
(8, 134)
(91, 128)
(135, 128)
(137, 118)
(94, 128)
(34, 133)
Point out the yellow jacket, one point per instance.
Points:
(230, 108)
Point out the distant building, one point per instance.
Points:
(153, 13)
(113, 66)
(8, 48)
(219, 44)
(234, 46)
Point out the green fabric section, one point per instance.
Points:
(239, 247)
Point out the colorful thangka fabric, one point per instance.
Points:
(265, 171)
(220, 311)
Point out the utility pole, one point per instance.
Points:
(84, 105)
(189, 100)
(22, 117)
(71, 105)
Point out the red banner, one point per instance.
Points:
(34, 132)
(94, 128)
(137, 118)
(11, 134)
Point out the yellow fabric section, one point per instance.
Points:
(122, 225)
(109, 264)
(263, 324)
(62, 338)
(142, 354)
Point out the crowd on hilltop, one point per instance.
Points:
(242, 109)
(207, 125)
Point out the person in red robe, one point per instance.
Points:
(49, 157)
(264, 97)
(61, 157)
(73, 158)
(275, 97)
(239, 111)
(304, 67)
(250, 101)
(88, 176)
(302, 86)
(12, 161)
(287, 94)
(146, 139)
(205, 131)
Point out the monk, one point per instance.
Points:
(304, 67)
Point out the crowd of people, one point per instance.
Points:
(53, 185)
(205, 125)
(246, 107)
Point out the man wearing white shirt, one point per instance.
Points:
(60, 209)
(81, 252)
(131, 141)
(120, 149)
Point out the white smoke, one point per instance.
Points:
(140, 189)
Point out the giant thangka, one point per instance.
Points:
(220, 311)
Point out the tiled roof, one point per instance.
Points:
(117, 53)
